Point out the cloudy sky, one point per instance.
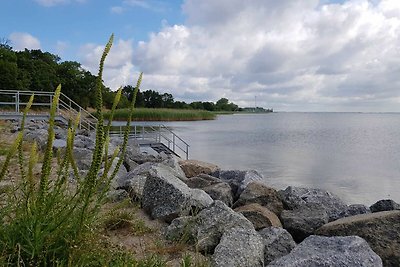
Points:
(291, 55)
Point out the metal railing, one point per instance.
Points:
(13, 103)
(159, 134)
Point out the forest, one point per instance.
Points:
(35, 70)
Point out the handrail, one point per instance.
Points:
(68, 109)
(157, 134)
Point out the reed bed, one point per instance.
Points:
(152, 114)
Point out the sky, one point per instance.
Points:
(289, 55)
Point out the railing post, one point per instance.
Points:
(173, 142)
(80, 118)
(17, 102)
(135, 133)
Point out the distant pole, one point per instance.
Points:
(255, 103)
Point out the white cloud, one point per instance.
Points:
(117, 9)
(118, 67)
(22, 40)
(292, 55)
(50, 3)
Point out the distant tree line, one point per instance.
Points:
(34, 70)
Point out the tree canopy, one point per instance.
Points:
(35, 70)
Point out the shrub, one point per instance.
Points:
(43, 221)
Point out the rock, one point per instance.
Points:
(277, 243)
(120, 177)
(193, 168)
(174, 164)
(295, 197)
(129, 164)
(37, 135)
(199, 200)
(384, 205)
(238, 180)
(117, 195)
(83, 141)
(213, 186)
(357, 209)
(303, 221)
(135, 180)
(220, 191)
(256, 192)
(83, 158)
(208, 226)
(166, 197)
(259, 216)
(239, 247)
(330, 251)
(381, 230)
(181, 229)
(201, 181)
(59, 144)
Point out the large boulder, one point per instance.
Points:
(357, 209)
(256, 192)
(384, 205)
(166, 197)
(174, 164)
(259, 216)
(381, 230)
(239, 247)
(193, 168)
(238, 180)
(296, 197)
(208, 226)
(330, 251)
(119, 179)
(277, 243)
(302, 222)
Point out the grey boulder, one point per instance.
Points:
(166, 197)
(304, 221)
(238, 180)
(257, 192)
(296, 197)
(239, 247)
(277, 243)
(330, 251)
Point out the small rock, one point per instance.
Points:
(238, 180)
(117, 195)
(357, 209)
(384, 205)
(201, 181)
(259, 216)
(220, 191)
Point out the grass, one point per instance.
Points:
(152, 114)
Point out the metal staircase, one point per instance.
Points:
(160, 138)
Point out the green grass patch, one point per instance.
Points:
(153, 114)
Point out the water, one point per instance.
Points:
(354, 155)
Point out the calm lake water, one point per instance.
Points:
(354, 155)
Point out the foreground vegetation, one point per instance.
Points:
(152, 114)
(45, 220)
